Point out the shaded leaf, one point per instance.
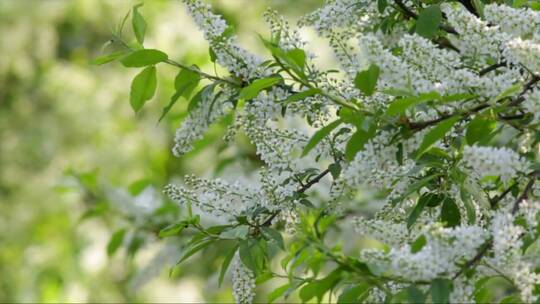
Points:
(173, 229)
(320, 135)
(256, 86)
(401, 105)
(440, 290)
(278, 292)
(185, 82)
(116, 241)
(144, 57)
(143, 88)
(107, 58)
(138, 23)
(352, 294)
(274, 235)
(428, 21)
(301, 95)
(435, 134)
(450, 213)
(226, 263)
(480, 130)
(366, 81)
(418, 244)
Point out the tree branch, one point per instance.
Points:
(302, 189)
(521, 97)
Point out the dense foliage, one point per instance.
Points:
(430, 118)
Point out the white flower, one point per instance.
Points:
(243, 281)
(517, 22)
(525, 52)
(532, 104)
(236, 59)
(492, 161)
(211, 107)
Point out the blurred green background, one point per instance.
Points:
(78, 168)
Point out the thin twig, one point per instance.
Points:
(492, 67)
(302, 189)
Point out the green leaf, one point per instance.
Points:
(428, 21)
(440, 290)
(480, 130)
(213, 56)
(435, 134)
(252, 255)
(278, 292)
(417, 211)
(107, 58)
(320, 135)
(358, 140)
(352, 294)
(366, 81)
(144, 57)
(418, 244)
(415, 295)
(319, 287)
(426, 199)
(138, 23)
(469, 207)
(194, 248)
(416, 186)
(450, 213)
(274, 235)
(226, 263)
(509, 92)
(258, 85)
(116, 241)
(173, 229)
(401, 105)
(205, 92)
(335, 170)
(381, 5)
(511, 299)
(185, 82)
(143, 88)
(298, 57)
(302, 95)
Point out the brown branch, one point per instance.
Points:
(469, 6)
(491, 68)
(495, 200)
(525, 193)
(483, 251)
(521, 97)
(302, 189)
(528, 86)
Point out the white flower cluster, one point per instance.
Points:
(275, 146)
(349, 15)
(217, 197)
(243, 281)
(439, 257)
(395, 73)
(508, 256)
(492, 161)
(524, 52)
(477, 40)
(377, 166)
(532, 104)
(236, 59)
(487, 56)
(517, 22)
(212, 106)
(393, 234)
